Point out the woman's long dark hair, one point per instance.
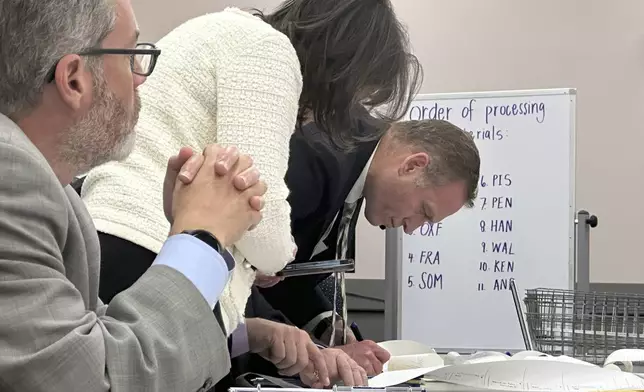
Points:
(352, 52)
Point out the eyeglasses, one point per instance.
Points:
(143, 58)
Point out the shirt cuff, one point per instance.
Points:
(198, 262)
(240, 341)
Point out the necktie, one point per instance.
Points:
(345, 248)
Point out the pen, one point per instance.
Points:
(356, 331)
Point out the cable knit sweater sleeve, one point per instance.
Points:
(257, 104)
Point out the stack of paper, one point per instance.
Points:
(524, 371)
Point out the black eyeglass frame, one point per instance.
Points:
(154, 52)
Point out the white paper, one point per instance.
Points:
(529, 354)
(387, 379)
(539, 356)
(408, 354)
(526, 370)
(477, 357)
(536, 375)
(406, 347)
(403, 362)
(627, 358)
(409, 360)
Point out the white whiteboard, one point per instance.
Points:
(454, 291)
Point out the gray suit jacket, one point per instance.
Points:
(55, 334)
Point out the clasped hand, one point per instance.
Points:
(219, 190)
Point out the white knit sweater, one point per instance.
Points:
(228, 78)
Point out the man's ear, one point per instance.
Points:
(74, 82)
(414, 164)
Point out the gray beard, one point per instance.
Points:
(104, 134)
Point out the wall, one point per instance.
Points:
(157, 17)
(592, 45)
(469, 45)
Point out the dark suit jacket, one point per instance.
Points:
(319, 177)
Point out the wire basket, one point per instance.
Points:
(584, 325)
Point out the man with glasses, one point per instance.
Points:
(69, 74)
(143, 58)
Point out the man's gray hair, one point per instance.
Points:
(453, 153)
(36, 34)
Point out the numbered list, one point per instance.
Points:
(427, 273)
(496, 265)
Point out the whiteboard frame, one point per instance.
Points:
(394, 237)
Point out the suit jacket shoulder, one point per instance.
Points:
(319, 177)
(56, 332)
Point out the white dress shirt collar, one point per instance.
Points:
(358, 187)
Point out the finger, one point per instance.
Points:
(380, 353)
(268, 281)
(290, 359)
(176, 162)
(256, 203)
(317, 359)
(226, 159)
(255, 219)
(212, 151)
(357, 376)
(345, 371)
(246, 178)
(308, 378)
(190, 169)
(376, 365)
(317, 384)
(294, 247)
(368, 362)
(302, 357)
(362, 374)
(368, 366)
(244, 162)
(258, 189)
(211, 155)
(278, 351)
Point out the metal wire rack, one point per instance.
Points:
(584, 325)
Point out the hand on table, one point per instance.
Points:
(341, 368)
(368, 355)
(289, 348)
